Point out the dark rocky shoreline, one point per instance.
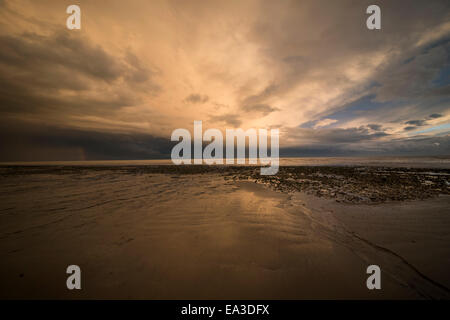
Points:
(361, 184)
(356, 184)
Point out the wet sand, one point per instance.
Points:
(210, 234)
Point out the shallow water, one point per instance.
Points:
(168, 236)
(412, 162)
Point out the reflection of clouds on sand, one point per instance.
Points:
(172, 236)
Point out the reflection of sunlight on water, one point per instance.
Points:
(257, 201)
(197, 236)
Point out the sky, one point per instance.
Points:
(137, 70)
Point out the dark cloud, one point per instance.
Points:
(59, 50)
(256, 104)
(417, 123)
(413, 124)
(21, 141)
(38, 71)
(229, 119)
(196, 98)
(263, 109)
(335, 135)
(340, 26)
(414, 78)
(300, 50)
(409, 76)
(259, 99)
(31, 142)
(375, 127)
(419, 146)
(349, 135)
(362, 142)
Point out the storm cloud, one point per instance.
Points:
(62, 75)
(138, 70)
(196, 98)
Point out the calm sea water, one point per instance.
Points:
(413, 162)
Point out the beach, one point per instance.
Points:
(224, 232)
